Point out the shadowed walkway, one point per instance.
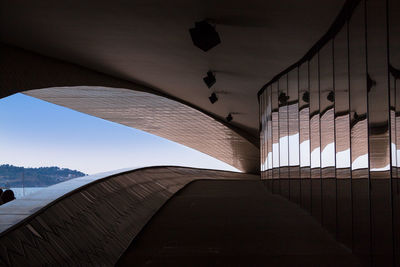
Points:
(233, 223)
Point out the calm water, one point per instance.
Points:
(20, 192)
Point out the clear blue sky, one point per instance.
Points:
(36, 133)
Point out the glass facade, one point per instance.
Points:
(330, 127)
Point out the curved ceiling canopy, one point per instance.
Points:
(148, 42)
(160, 116)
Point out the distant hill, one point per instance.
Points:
(12, 176)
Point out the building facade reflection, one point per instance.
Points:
(330, 128)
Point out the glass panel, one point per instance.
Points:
(269, 133)
(378, 116)
(327, 99)
(392, 108)
(283, 100)
(267, 104)
(358, 96)
(395, 82)
(304, 113)
(315, 138)
(359, 133)
(264, 129)
(265, 136)
(294, 146)
(261, 110)
(314, 118)
(395, 175)
(394, 61)
(265, 133)
(293, 107)
(275, 137)
(342, 140)
(379, 139)
(337, 126)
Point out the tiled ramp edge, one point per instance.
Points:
(90, 220)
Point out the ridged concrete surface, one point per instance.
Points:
(93, 224)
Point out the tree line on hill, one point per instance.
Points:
(13, 176)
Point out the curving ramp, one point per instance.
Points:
(91, 220)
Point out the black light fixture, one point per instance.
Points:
(213, 98)
(283, 98)
(229, 118)
(306, 97)
(331, 96)
(209, 80)
(204, 35)
(356, 117)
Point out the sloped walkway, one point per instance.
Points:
(233, 223)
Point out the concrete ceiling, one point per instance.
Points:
(148, 42)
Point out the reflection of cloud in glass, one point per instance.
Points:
(386, 168)
(360, 162)
(394, 151)
(284, 148)
(294, 150)
(275, 152)
(359, 145)
(328, 139)
(270, 160)
(315, 162)
(283, 151)
(398, 154)
(288, 151)
(328, 155)
(315, 142)
(343, 159)
(398, 158)
(305, 154)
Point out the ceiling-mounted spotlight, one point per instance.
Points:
(229, 118)
(213, 98)
(306, 97)
(331, 96)
(283, 98)
(356, 117)
(204, 35)
(209, 79)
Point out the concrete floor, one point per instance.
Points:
(234, 223)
